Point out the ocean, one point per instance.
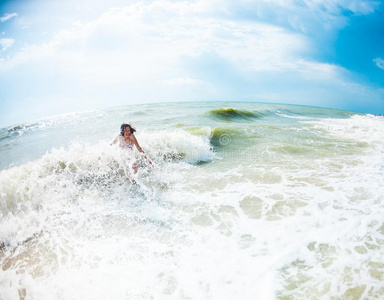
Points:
(245, 201)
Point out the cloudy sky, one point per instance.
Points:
(60, 56)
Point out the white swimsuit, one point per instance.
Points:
(123, 144)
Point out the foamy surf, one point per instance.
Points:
(270, 208)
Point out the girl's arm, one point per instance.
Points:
(140, 149)
(114, 141)
(137, 144)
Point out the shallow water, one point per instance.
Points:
(246, 201)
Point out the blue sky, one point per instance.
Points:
(62, 56)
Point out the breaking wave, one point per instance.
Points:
(235, 115)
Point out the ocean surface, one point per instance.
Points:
(245, 201)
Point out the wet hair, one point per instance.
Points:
(125, 125)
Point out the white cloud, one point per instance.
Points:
(168, 45)
(7, 17)
(146, 38)
(5, 43)
(307, 16)
(379, 62)
(182, 81)
(143, 41)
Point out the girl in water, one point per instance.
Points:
(127, 140)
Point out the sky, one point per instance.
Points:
(61, 56)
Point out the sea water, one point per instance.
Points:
(245, 201)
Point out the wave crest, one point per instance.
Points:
(235, 115)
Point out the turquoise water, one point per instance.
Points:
(246, 201)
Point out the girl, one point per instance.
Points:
(127, 140)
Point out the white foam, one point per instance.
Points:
(362, 128)
(191, 148)
(293, 117)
